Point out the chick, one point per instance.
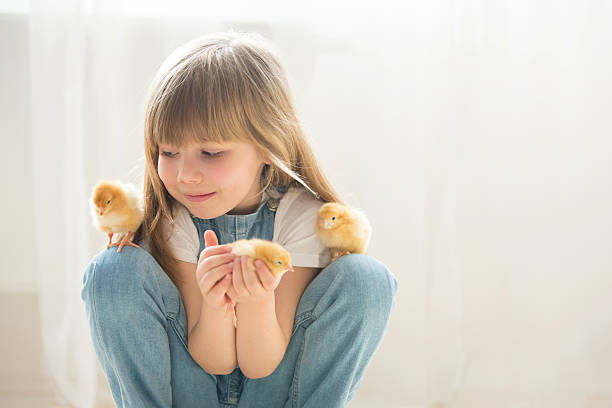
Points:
(343, 230)
(116, 208)
(276, 258)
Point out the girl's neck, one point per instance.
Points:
(248, 208)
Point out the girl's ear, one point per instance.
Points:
(265, 158)
(263, 155)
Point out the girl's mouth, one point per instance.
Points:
(198, 198)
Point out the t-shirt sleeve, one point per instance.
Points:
(183, 241)
(295, 229)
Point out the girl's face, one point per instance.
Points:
(212, 179)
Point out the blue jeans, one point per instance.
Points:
(138, 327)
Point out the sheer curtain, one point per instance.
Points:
(475, 134)
(57, 70)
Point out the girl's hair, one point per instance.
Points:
(218, 88)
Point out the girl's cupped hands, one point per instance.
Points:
(251, 284)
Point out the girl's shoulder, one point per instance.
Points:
(182, 234)
(295, 228)
(296, 200)
(296, 214)
(181, 216)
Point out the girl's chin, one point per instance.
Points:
(202, 210)
(204, 214)
(208, 210)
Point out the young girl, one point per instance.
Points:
(228, 160)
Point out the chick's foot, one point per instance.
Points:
(340, 255)
(124, 243)
(110, 240)
(127, 241)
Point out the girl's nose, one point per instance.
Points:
(189, 173)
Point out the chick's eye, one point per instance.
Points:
(334, 218)
(108, 202)
(279, 263)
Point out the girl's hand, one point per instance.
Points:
(214, 271)
(251, 285)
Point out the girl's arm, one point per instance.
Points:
(265, 317)
(212, 341)
(260, 340)
(211, 335)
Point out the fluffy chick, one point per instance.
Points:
(272, 254)
(343, 230)
(116, 208)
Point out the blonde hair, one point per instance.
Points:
(223, 87)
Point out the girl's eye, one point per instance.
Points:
(211, 154)
(168, 154)
(204, 152)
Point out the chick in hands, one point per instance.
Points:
(276, 258)
(343, 230)
(116, 208)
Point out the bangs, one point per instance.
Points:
(200, 103)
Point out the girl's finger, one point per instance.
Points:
(251, 279)
(214, 250)
(229, 306)
(238, 277)
(268, 280)
(244, 269)
(221, 286)
(212, 262)
(231, 292)
(210, 238)
(210, 278)
(217, 260)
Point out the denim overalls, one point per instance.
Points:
(138, 327)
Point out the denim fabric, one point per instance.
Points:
(138, 327)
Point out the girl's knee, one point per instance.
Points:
(113, 280)
(365, 281)
(126, 300)
(128, 258)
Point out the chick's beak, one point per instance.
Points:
(290, 268)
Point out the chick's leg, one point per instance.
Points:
(337, 253)
(114, 244)
(127, 241)
(110, 240)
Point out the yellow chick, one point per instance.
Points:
(343, 230)
(272, 254)
(116, 208)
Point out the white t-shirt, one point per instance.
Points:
(294, 229)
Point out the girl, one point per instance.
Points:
(228, 160)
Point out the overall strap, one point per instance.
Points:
(230, 228)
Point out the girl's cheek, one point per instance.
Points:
(214, 172)
(164, 170)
